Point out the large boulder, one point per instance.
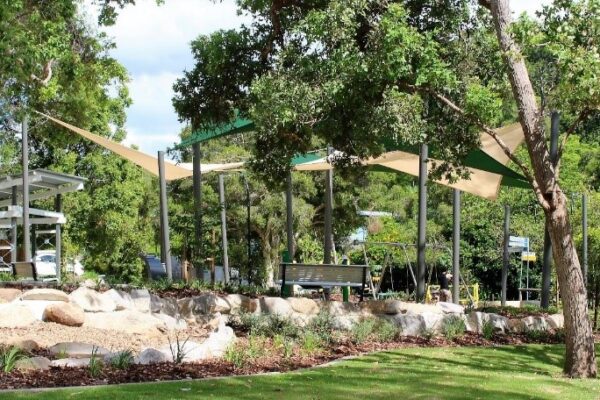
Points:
(45, 294)
(122, 299)
(92, 301)
(9, 294)
(141, 300)
(276, 305)
(128, 321)
(167, 306)
(534, 323)
(556, 321)
(409, 324)
(475, 321)
(15, 315)
(213, 347)
(37, 307)
(516, 325)
(304, 306)
(33, 363)
(374, 306)
(151, 356)
(393, 307)
(171, 323)
(236, 302)
(204, 304)
(77, 350)
(69, 314)
(450, 308)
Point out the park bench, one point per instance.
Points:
(24, 270)
(323, 275)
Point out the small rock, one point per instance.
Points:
(151, 356)
(9, 294)
(45, 294)
(68, 314)
(92, 301)
(33, 363)
(71, 362)
(27, 345)
(304, 306)
(15, 315)
(77, 350)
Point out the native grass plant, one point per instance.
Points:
(386, 331)
(323, 326)
(122, 359)
(7, 277)
(267, 325)
(178, 348)
(428, 333)
(9, 357)
(361, 331)
(453, 327)
(284, 344)
(311, 343)
(95, 365)
(487, 329)
(241, 354)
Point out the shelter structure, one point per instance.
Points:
(39, 184)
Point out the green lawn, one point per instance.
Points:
(511, 373)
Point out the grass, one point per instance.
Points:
(502, 373)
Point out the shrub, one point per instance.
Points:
(361, 331)
(122, 360)
(537, 335)
(453, 327)
(487, 330)
(311, 343)
(9, 357)
(277, 324)
(323, 326)
(95, 364)
(235, 355)
(386, 331)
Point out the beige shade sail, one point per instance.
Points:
(147, 162)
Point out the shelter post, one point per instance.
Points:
(224, 228)
(58, 238)
(584, 233)
(328, 231)
(13, 229)
(422, 223)
(25, 167)
(456, 246)
(547, 255)
(505, 254)
(197, 191)
(164, 216)
(289, 217)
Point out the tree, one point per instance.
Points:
(52, 61)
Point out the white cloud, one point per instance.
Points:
(528, 6)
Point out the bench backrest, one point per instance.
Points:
(24, 269)
(323, 274)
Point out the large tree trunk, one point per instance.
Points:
(580, 358)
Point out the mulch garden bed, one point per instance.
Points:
(80, 376)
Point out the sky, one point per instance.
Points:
(153, 43)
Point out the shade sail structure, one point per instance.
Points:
(238, 125)
(146, 161)
(487, 164)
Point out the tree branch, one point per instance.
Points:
(47, 74)
(450, 104)
(580, 118)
